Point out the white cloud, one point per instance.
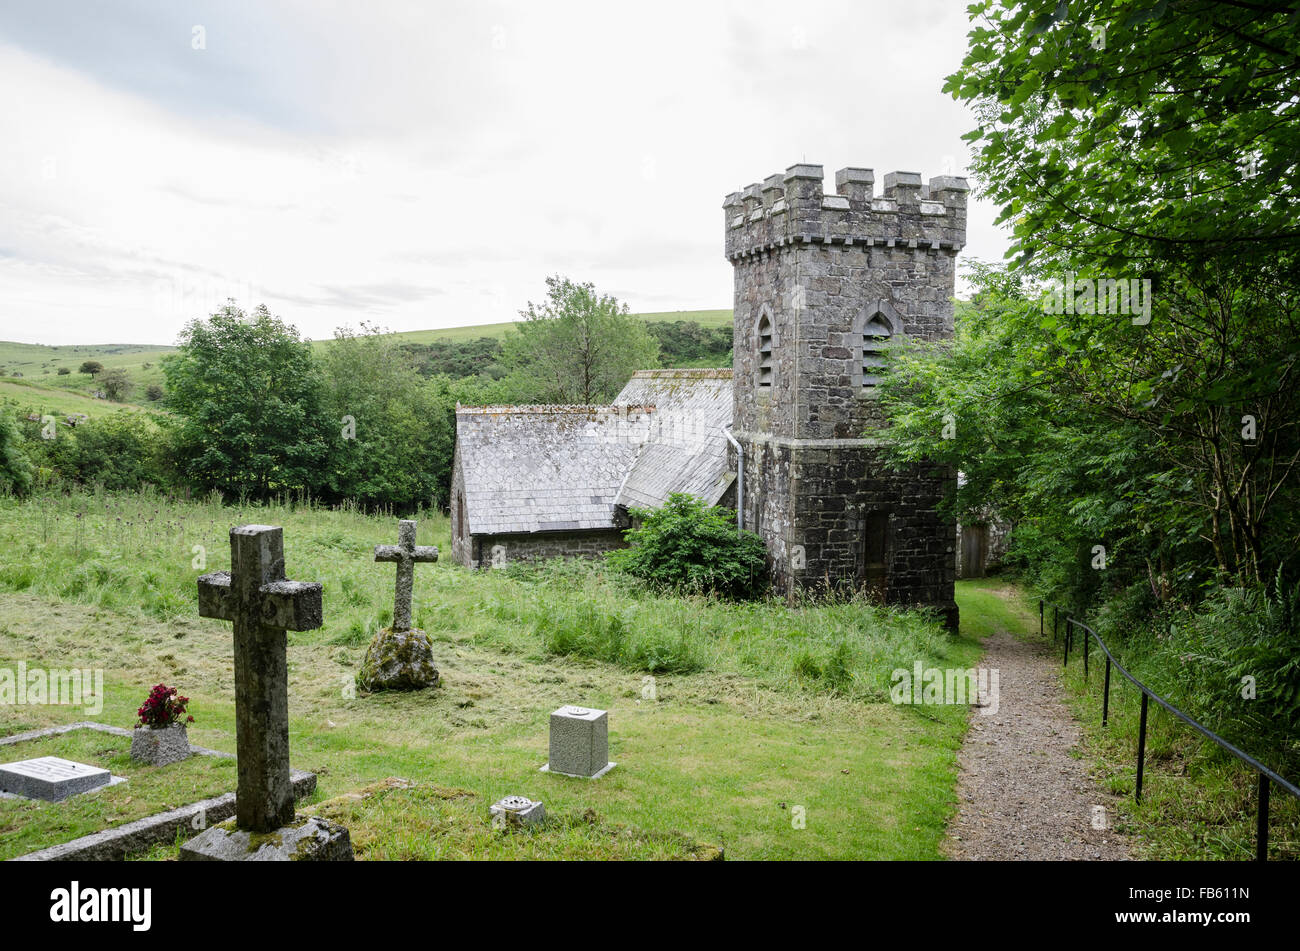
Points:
(429, 166)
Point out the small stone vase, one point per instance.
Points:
(158, 746)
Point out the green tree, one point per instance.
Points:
(1127, 140)
(1060, 428)
(394, 436)
(91, 367)
(117, 385)
(249, 398)
(578, 346)
(1137, 130)
(15, 468)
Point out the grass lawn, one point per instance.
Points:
(759, 714)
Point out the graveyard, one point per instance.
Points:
(489, 433)
(723, 718)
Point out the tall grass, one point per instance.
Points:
(143, 553)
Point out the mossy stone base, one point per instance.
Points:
(160, 746)
(398, 660)
(307, 839)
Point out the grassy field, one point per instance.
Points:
(766, 731)
(28, 398)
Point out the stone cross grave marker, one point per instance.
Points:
(405, 553)
(255, 596)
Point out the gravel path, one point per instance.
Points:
(1021, 794)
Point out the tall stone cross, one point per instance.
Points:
(406, 553)
(263, 605)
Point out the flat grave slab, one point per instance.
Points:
(51, 778)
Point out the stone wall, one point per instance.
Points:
(810, 502)
(487, 551)
(460, 538)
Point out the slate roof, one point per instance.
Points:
(565, 468)
(686, 451)
(545, 468)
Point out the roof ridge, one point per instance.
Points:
(704, 373)
(556, 409)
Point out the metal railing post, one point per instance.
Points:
(1261, 821)
(1142, 747)
(1085, 660)
(1105, 695)
(1040, 617)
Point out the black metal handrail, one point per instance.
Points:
(1266, 775)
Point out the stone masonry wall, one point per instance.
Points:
(460, 538)
(487, 551)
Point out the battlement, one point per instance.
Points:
(791, 208)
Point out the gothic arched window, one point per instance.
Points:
(765, 350)
(876, 334)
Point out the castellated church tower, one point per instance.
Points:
(824, 286)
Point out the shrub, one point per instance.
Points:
(121, 451)
(686, 546)
(1231, 662)
(15, 467)
(163, 708)
(64, 371)
(117, 385)
(153, 392)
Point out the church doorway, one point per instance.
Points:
(876, 554)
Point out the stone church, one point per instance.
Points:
(825, 285)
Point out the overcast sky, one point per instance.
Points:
(420, 164)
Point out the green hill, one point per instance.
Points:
(31, 397)
(39, 364)
(705, 318)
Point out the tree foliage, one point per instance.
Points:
(1074, 430)
(577, 347)
(15, 467)
(398, 442)
(116, 384)
(122, 451)
(1141, 131)
(250, 403)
